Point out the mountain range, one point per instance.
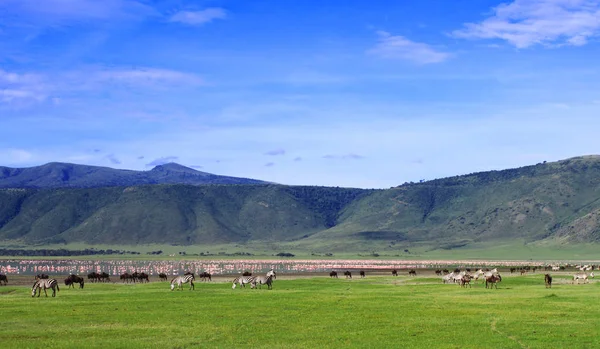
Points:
(65, 175)
(556, 202)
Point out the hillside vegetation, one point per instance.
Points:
(549, 203)
(65, 175)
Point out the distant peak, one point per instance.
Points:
(174, 167)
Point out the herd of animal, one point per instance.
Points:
(464, 278)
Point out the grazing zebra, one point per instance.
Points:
(493, 281)
(585, 277)
(548, 280)
(180, 280)
(333, 274)
(162, 277)
(242, 281)
(4, 279)
(45, 284)
(263, 280)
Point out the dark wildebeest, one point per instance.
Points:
(126, 277)
(205, 276)
(412, 272)
(143, 277)
(362, 274)
(394, 272)
(548, 280)
(93, 276)
(247, 273)
(104, 277)
(512, 270)
(41, 276)
(348, 274)
(445, 271)
(163, 277)
(73, 279)
(465, 280)
(438, 272)
(333, 274)
(4, 279)
(493, 281)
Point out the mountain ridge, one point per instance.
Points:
(61, 175)
(554, 202)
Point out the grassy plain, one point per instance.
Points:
(308, 312)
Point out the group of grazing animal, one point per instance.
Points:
(463, 278)
(135, 277)
(98, 277)
(44, 284)
(73, 279)
(3, 279)
(255, 281)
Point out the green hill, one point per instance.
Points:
(65, 175)
(556, 203)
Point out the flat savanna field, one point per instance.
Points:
(306, 311)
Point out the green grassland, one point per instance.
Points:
(378, 311)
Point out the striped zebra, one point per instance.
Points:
(242, 281)
(264, 280)
(180, 280)
(44, 284)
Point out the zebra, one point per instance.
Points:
(583, 277)
(180, 280)
(44, 284)
(262, 280)
(242, 281)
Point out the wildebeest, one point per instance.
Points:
(348, 274)
(247, 273)
(438, 272)
(394, 272)
(548, 280)
(126, 277)
(362, 274)
(493, 281)
(333, 274)
(445, 271)
(512, 270)
(143, 277)
(163, 277)
(412, 272)
(465, 280)
(4, 279)
(41, 276)
(205, 276)
(73, 279)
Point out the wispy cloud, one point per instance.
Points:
(399, 47)
(350, 156)
(269, 164)
(524, 23)
(298, 158)
(197, 167)
(113, 159)
(199, 17)
(162, 161)
(146, 76)
(275, 152)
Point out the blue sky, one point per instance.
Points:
(338, 93)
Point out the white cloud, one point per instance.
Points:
(525, 23)
(199, 17)
(147, 76)
(15, 156)
(399, 47)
